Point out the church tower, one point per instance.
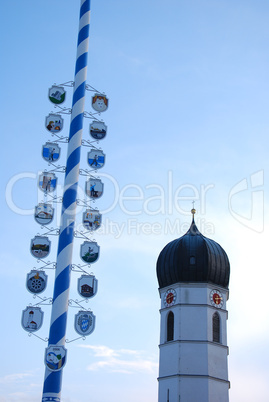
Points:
(193, 274)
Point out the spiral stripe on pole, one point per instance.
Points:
(53, 379)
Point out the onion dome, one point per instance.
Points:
(193, 258)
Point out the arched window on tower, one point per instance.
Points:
(216, 327)
(170, 326)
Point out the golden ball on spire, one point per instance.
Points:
(193, 211)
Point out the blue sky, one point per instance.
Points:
(188, 120)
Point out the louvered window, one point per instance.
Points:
(216, 328)
(170, 327)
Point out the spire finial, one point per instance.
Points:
(193, 211)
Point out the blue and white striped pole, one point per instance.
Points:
(53, 379)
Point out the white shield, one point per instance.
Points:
(57, 94)
(99, 103)
(36, 281)
(87, 286)
(32, 319)
(40, 246)
(84, 322)
(96, 158)
(55, 357)
(51, 152)
(44, 213)
(54, 123)
(47, 182)
(91, 219)
(89, 251)
(94, 188)
(98, 130)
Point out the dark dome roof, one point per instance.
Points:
(193, 258)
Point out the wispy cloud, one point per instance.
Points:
(125, 361)
(18, 387)
(11, 378)
(20, 397)
(101, 350)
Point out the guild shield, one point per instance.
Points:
(51, 152)
(94, 188)
(54, 123)
(98, 130)
(99, 103)
(44, 213)
(89, 251)
(84, 322)
(91, 219)
(47, 182)
(57, 94)
(32, 319)
(40, 246)
(87, 286)
(96, 158)
(55, 357)
(36, 281)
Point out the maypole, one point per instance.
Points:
(53, 374)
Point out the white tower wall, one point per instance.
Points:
(192, 367)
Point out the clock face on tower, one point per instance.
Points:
(216, 298)
(169, 297)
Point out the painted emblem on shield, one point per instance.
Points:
(36, 281)
(96, 158)
(87, 286)
(99, 103)
(84, 322)
(32, 319)
(94, 188)
(47, 182)
(44, 214)
(51, 152)
(55, 357)
(89, 251)
(98, 130)
(91, 219)
(54, 123)
(40, 246)
(57, 94)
